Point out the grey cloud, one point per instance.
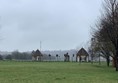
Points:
(59, 24)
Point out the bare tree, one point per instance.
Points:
(107, 32)
(57, 56)
(49, 56)
(111, 25)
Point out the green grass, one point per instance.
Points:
(55, 72)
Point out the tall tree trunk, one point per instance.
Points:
(116, 63)
(99, 59)
(116, 59)
(113, 62)
(92, 59)
(108, 60)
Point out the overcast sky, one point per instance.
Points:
(59, 24)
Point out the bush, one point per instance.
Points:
(1, 57)
(8, 57)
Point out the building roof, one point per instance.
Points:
(36, 53)
(82, 52)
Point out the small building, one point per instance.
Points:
(82, 56)
(36, 55)
(67, 57)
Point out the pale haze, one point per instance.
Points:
(58, 24)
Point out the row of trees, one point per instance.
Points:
(105, 36)
(17, 56)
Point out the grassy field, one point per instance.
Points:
(55, 72)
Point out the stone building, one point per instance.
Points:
(82, 56)
(36, 55)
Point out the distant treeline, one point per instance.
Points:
(16, 55)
